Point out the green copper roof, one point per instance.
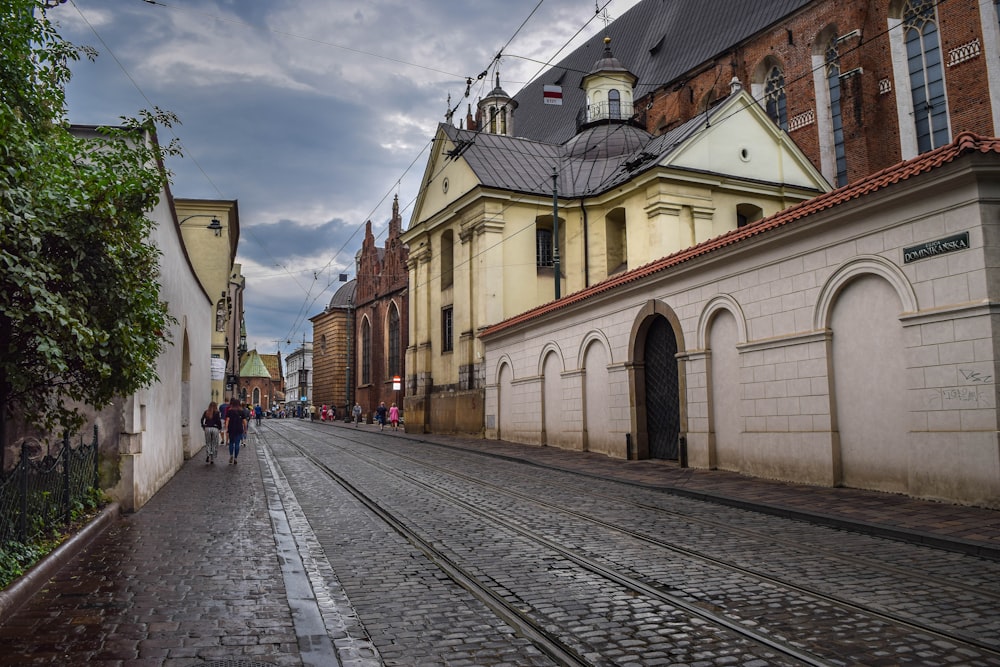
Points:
(253, 366)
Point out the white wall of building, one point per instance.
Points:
(812, 352)
(162, 423)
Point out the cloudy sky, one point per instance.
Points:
(312, 115)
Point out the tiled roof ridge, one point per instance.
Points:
(964, 142)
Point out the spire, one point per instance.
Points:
(396, 224)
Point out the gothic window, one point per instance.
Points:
(366, 352)
(393, 328)
(923, 56)
(614, 104)
(447, 327)
(543, 248)
(832, 59)
(774, 97)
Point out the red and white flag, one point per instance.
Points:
(552, 94)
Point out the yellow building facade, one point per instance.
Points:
(492, 228)
(210, 229)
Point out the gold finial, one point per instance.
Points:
(607, 40)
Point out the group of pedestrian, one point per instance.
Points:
(231, 424)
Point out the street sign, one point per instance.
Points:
(396, 383)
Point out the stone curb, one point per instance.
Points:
(32, 581)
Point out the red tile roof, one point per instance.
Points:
(964, 143)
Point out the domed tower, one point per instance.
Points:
(609, 90)
(496, 112)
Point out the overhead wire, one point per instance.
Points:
(809, 72)
(481, 79)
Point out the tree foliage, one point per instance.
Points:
(81, 320)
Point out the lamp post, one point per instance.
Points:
(214, 225)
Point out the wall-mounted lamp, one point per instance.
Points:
(214, 225)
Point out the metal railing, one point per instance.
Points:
(598, 111)
(38, 496)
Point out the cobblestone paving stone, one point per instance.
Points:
(788, 613)
(555, 592)
(414, 613)
(915, 591)
(185, 580)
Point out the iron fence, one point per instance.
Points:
(38, 496)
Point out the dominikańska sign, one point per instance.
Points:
(936, 247)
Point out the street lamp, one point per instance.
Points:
(214, 225)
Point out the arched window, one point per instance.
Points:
(256, 396)
(832, 61)
(366, 352)
(614, 104)
(393, 342)
(923, 56)
(447, 259)
(774, 97)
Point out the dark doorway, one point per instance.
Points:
(663, 415)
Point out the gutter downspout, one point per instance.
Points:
(586, 245)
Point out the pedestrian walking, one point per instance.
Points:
(235, 428)
(211, 423)
(322, 413)
(357, 414)
(380, 414)
(394, 417)
(258, 413)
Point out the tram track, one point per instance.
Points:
(633, 583)
(546, 641)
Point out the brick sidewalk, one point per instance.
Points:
(187, 578)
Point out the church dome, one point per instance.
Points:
(607, 140)
(344, 297)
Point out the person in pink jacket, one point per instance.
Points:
(394, 417)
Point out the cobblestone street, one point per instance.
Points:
(335, 545)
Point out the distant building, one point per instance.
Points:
(332, 339)
(381, 317)
(260, 382)
(299, 378)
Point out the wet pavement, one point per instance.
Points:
(189, 581)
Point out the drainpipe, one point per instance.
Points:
(586, 246)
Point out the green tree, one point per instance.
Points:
(81, 320)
